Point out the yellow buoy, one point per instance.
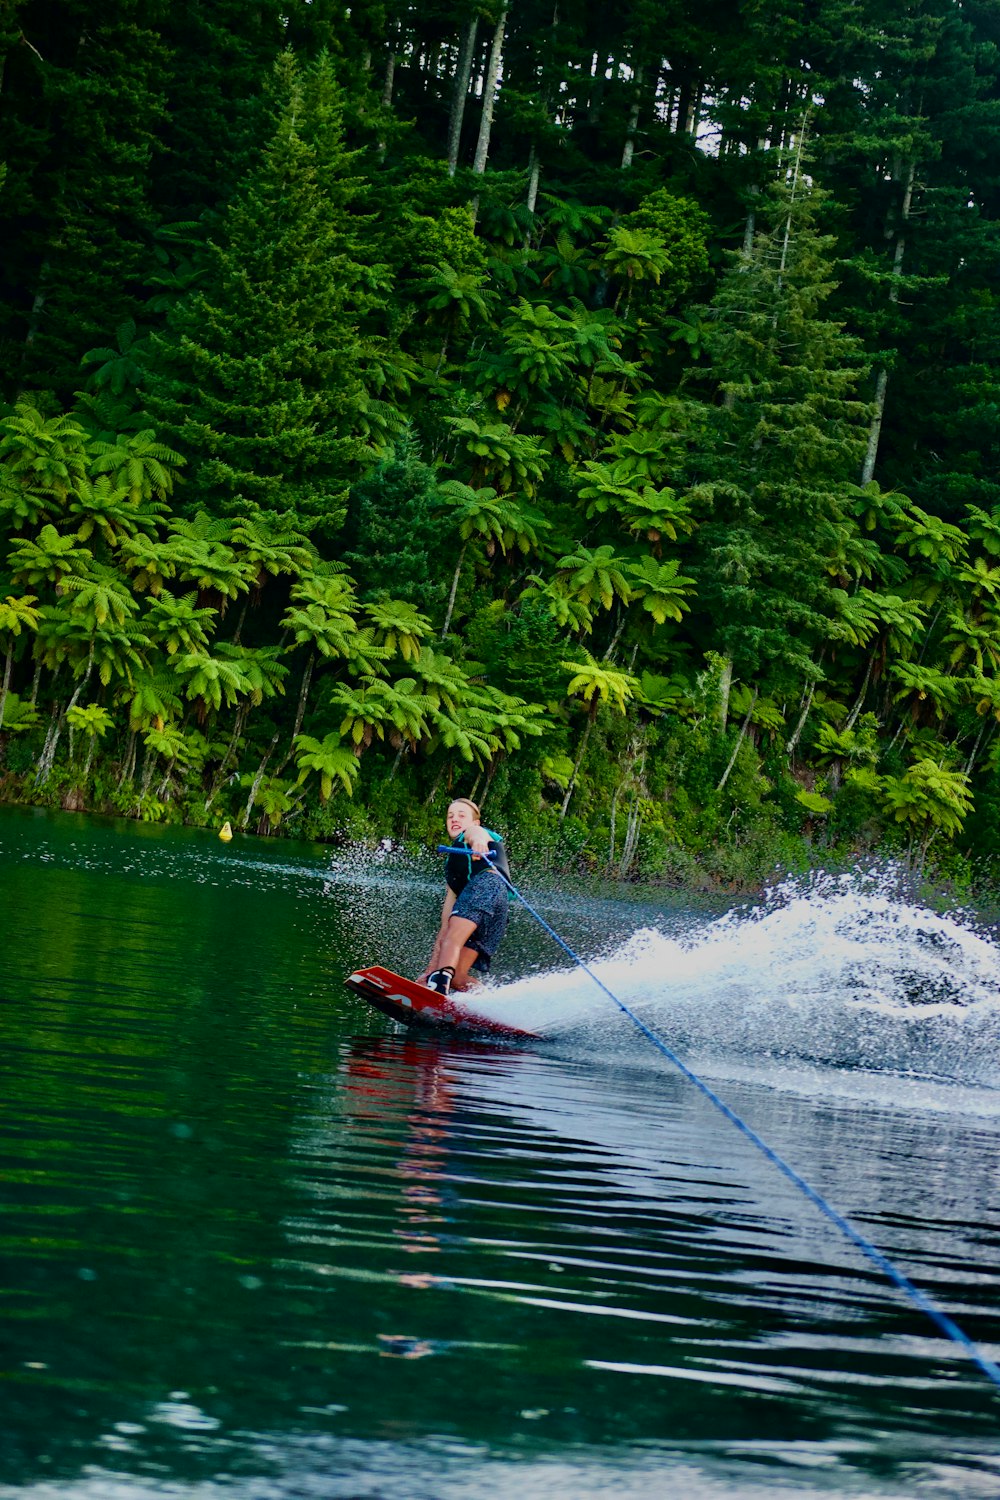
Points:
(226, 832)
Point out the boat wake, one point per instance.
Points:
(836, 970)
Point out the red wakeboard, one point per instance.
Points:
(416, 1005)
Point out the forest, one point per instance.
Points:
(589, 409)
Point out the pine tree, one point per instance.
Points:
(81, 112)
(257, 378)
(221, 54)
(781, 449)
(396, 531)
(910, 135)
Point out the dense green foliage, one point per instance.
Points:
(598, 411)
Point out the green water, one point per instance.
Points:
(254, 1243)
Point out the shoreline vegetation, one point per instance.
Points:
(602, 425)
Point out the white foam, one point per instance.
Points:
(841, 970)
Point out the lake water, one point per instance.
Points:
(254, 1243)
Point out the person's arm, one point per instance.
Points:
(478, 839)
(433, 961)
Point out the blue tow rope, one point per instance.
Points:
(920, 1299)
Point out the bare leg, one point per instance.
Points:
(463, 980)
(455, 955)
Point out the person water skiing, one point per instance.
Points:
(475, 910)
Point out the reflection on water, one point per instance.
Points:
(254, 1243)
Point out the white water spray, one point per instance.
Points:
(839, 970)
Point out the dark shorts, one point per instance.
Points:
(485, 902)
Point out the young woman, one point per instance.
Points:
(475, 910)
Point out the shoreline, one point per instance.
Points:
(936, 886)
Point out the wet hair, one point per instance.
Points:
(466, 802)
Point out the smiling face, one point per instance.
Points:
(460, 817)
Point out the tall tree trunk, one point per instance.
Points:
(632, 831)
(786, 238)
(975, 749)
(739, 740)
(609, 654)
(128, 759)
(241, 718)
(48, 756)
(463, 72)
(534, 158)
(489, 96)
(852, 717)
(163, 790)
(875, 428)
(50, 731)
(454, 590)
(882, 379)
(390, 77)
(534, 177)
(602, 66)
(388, 83)
(725, 688)
(628, 151)
(300, 713)
(437, 782)
(237, 633)
(694, 112)
(431, 71)
(148, 767)
(614, 819)
(6, 684)
(491, 771)
(685, 97)
(259, 777)
(792, 745)
(90, 756)
(579, 761)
